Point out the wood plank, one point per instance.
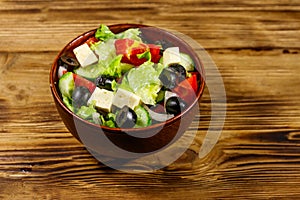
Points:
(246, 159)
(249, 24)
(255, 45)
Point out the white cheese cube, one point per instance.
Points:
(85, 55)
(171, 55)
(103, 99)
(124, 97)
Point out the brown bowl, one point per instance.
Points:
(96, 137)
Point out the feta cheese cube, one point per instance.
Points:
(85, 55)
(171, 55)
(124, 97)
(103, 99)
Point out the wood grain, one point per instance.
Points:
(255, 45)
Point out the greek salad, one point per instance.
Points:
(122, 81)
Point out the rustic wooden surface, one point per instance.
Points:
(254, 43)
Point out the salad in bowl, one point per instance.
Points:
(138, 86)
(124, 81)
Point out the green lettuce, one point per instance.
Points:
(105, 50)
(132, 33)
(103, 33)
(86, 112)
(144, 82)
(108, 67)
(90, 113)
(148, 93)
(109, 120)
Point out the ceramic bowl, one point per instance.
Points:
(166, 133)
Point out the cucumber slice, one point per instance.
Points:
(187, 62)
(66, 85)
(143, 117)
(68, 103)
(160, 95)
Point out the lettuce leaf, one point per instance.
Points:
(86, 112)
(132, 33)
(90, 72)
(112, 67)
(148, 93)
(103, 33)
(144, 82)
(109, 63)
(109, 120)
(105, 50)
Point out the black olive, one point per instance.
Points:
(80, 96)
(164, 44)
(161, 52)
(68, 62)
(180, 70)
(175, 105)
(169, 78)
(104, 82)
(126, 118)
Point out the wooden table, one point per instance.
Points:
(254, 43)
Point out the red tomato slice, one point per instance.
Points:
(80, 81)
(91, 41)
(122, 47)
(130, 49)
(187, 89)
(135, 50)
(193, 80)
(155, 52)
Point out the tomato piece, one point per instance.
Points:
(135, 50)
(122, 47)
(130, 49)
(187, 89)
(193, 81)
(80, 81)
(155, 52)
(91, 41)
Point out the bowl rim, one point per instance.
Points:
(198, 64)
